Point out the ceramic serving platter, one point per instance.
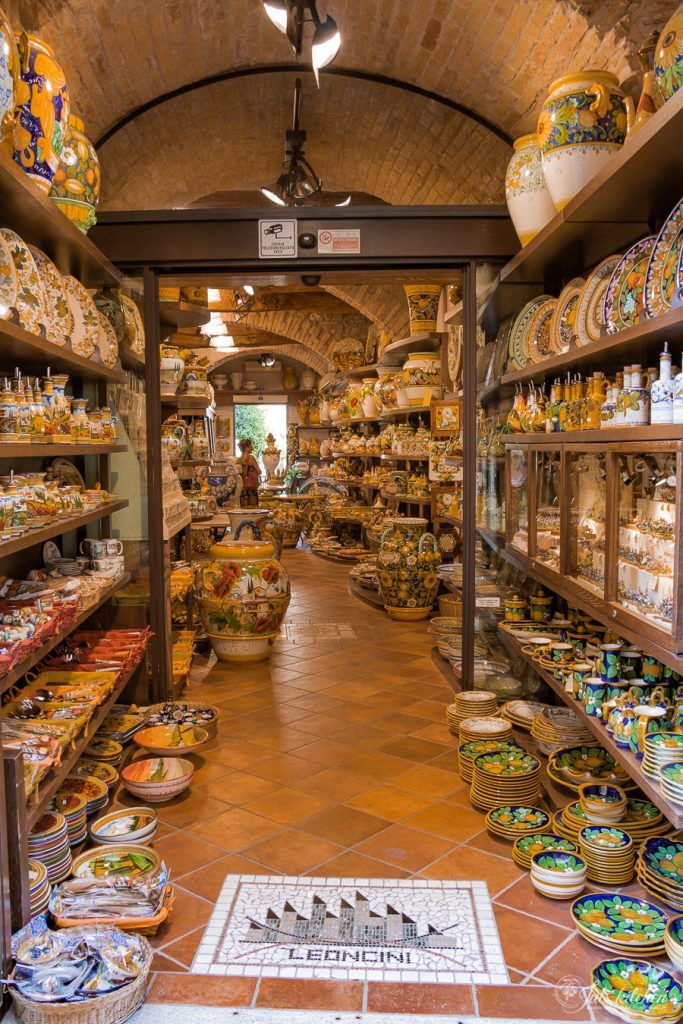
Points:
(619, 919)
(662, 281)
(30, 303)
(637, 990)
(86, 328)
(563, 324)
(58, 317)
(8, 282)
(539, 343)
(518, 341)
(107, 342)
(625, 296)
(574, 766)
(512, 821)
(116, 862)
(134, 326)
(130, 823)
(590, 314)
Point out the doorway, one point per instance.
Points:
(256, 419)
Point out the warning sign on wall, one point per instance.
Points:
(337, 241)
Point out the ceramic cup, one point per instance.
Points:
(579, 670)
(101, 548)
(652, 669)
(594, 693)
(608, 662)
(560, 652)
(108, 565)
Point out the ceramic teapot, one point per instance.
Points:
(174, 440)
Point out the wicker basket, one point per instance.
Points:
(140, 925)
(450, 606)
(211, 727)
(113, 1008)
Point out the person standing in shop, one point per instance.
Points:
(251, 474)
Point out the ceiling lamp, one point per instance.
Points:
(267, 359)
(299, 181)
(214, 327)
(289, 16)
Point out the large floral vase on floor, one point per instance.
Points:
(243, 594)
(406, 569)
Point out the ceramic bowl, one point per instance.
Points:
(558, 893)
(128, 825)
(123, 861)
(171, 739)
(637, 990)
(558, 867)
(605, 839)
(673, 941)
(157, 779)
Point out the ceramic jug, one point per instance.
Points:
(648, 720)
(636, 398)
(650, 96)
(662, 391)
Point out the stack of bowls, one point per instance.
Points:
(641, 821)
(559, 875)
(467, 752)
(660, 870)
(511, 822)
(622, 924)
(505, 777)
(555, 728)
(637, 991)
(471, 704)
(673, 941)
(73, 806)
(603, 805)
(485, 728)
(128, 825)
(661, 748)
(49, 844)
(39, 887)
(609, 854)
(95, 791)
(671, 781)
(525, 847)
(521, 713)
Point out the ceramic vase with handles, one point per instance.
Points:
(370, 401)
(669, 55)
(259, 524)
(582, 124)
(423, 306)
(76, 184)
(648, 720)
(406, 569)
(171, 369)
(243, 594)
(526, 193)
(42, 112)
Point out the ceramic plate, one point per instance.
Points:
(638, 988)
(107, 341)
(590, 314)
(128, 821)
(619, 918)
(454, 353)
(539, 343)
(30, 304)
(501, 348)
(563, 324)
(97, 770)
(8, 282)
(662, 272)
(518, 819)
(116, 862)
(517, 345)
(625, 297)
(67, 472)
(59, 320)
(664, 858)
(86, 329)
(134, 326)
(507, 764)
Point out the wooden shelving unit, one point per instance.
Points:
(33, 353)
(655, 432)
(179, 315)
(411, 410)
(185, 405)
(64, 524)
(396, 352)
(31, 450)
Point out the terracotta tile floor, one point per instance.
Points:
(332, 760)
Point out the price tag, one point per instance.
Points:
(488, 602)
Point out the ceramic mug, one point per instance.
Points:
(108, 565)
(101, 548)
(579, 671)
(560, 653)
(652, 669)
(609, 662)
(594, 694)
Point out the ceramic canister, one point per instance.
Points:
(582, 123)
(529, 202)
(423, 306)
(515, 609)
(608, 662)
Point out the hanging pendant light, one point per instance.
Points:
(326, 43)
(289, 17)
(299, 181)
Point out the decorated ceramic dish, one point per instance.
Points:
(539, 343)
(563, 324)
(620, 919)
(637, 987)
(528, 846)
(86, 328)
(517, 349)
(507, 763)
(514, 819)
(58, 317)
(558, 862)
(590, 314)
(625, 297)
(104, 750)
(116, 862)
(605, 837)
(171, 739)
(97, 770)
(131, 824)
(134, 327)
(8, 282)
(662, 273)
(664, 859)
(107, 341)
(30, 304)
(574, 766)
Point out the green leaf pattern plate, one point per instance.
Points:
(638, 987)
(620, 918)
(507, 763)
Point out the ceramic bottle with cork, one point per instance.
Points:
(593, 402)
(636, 401)
(662, 391)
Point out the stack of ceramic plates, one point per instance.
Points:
(573, 766)
(505, 777)
(73, 807)
(468, 751)
(637, 991)
(671, 781)
(609, 854)
(49, 844)
(661, 748)
(39, 887)
(621, 924)
(522, 712)
(555, 728)
(557, 874)
(603, 805)
(642, 820)
(128, 825)
(525, 847)
(108, 751)
(673, 941)
(470, 704)
(660, 870)
(484, 728)
(513, 822)
(95, 791)
(97, 770)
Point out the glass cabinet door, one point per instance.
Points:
(518, 490)
(548, 499)
(647, 525)
(586, 481)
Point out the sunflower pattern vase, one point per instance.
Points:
(406, 569)
(582, 124)
(243, 594)
(42, 112)
(423, 306)
(669, 55)
(76, 184)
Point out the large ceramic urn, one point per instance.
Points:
(406, 569)
(529, 201)
(271, 457)
(259, 523)
(243, 594)
(42, 111)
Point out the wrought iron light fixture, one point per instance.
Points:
(289, 16)
(299, 181)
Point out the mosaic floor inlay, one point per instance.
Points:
(407, 930)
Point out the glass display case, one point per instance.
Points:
(586, 476)
(490, 478)
(646, 548)
(517, 514)
(547, 482)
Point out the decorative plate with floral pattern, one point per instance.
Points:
(563, 324)
(9, 285)
(30, 302)
(58, 316)
(625, 298)
(620, 918)
(539, 342)
(107, 342)
(637, 990)
(662, 281)
(590, 314)
(517, 343)
(134, 325)
(86, 329)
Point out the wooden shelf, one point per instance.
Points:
(33, 354)
(51, 783)
(28, 450)
(186, 404)
(131, 361)
(194, 462)
(655, 432)
(314, 426)
(386, 457)
(182, 315)
(56, 529)
(396, 352)
(40, 222)
(347, 421)
(624, 757)
(406, 499)
(395, 414)
(41, 652)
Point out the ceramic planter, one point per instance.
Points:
(243, 594)
(581, 125)
(406, 569)
(669, 55)
(423, 306)
(529, 201)
(42, 112)
(76, 184)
